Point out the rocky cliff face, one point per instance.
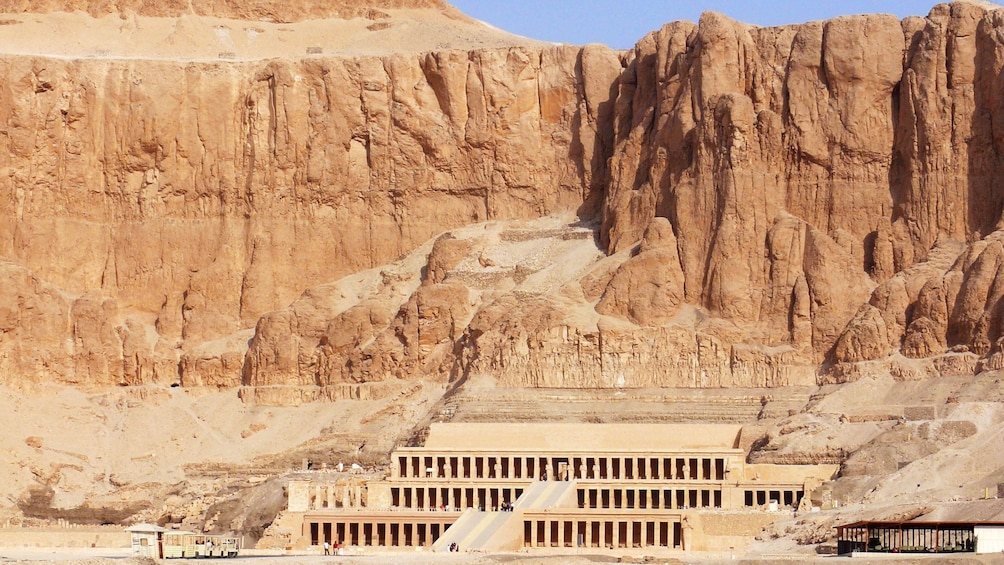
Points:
(774, 206)
(802, 166)
(196, 197)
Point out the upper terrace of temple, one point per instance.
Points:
(568, 437)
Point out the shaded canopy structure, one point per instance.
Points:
(915, 537)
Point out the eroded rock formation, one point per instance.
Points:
(773, 206)
(196, 197)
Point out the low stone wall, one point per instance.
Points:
(105, 537)
(729, 530)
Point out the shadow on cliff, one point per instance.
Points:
(985, 199)
(38, 504)
(591, 210)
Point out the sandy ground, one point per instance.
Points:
(113, 557)
(78, 35)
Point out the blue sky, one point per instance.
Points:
(621, 23)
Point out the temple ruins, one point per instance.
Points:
(486, 486)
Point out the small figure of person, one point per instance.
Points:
(327, 548)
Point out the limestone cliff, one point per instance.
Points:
(802, 166)
(773, 206)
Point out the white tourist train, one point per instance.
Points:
(160, 543)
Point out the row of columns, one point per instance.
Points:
(661, 499)
(440, 466)
(455, 498)
(602, 533)
(326, 496)
(782, 497)
(385, 533)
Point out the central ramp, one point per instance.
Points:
(472, 529)
(547, 494)
(497, 531)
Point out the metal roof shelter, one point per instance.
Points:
(915, 537)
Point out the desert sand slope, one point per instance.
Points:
(145, 453)
(284, 11)
(208, 34)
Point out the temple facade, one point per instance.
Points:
(508, 486)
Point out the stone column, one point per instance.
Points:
(596, 470)
(547, 533)
(617, 534)
(533, 533)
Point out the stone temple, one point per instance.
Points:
(497, 487)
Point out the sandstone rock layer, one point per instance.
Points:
(771, 206)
